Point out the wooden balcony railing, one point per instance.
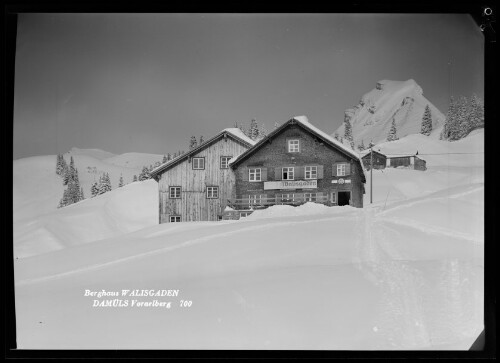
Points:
(264, 202)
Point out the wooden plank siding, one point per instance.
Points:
(193, 204)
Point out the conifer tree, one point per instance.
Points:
(348, 132)
(477, 112)
(59, 164)
(336, 136)
(134, 179)
(254, 130)
(144, 175)
(426, 127)
(94, 189)
(392, 136)
(201, 140)
(361, 146)
(276, 125)
(164, 159)
(450, 120)
(193, 143)
(120, 182)
(169, 157)
(82, 196)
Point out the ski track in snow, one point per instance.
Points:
(172, 248)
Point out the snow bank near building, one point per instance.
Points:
(302, 210)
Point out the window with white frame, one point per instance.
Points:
(175, 218)
(254, 199)
(198, 163)
(224, 161)
(254, 174)
(287, 173)
(334, 197)
(175, 192)
(212, 192)
(310, 197)
(311, 172)
(293, 146)
(341, 169)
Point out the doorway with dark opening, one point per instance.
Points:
(343, 198)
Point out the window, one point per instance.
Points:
(175, 192)
(244, 214)
(340, 169)
(212, 192)
(286, 198)
(310, 197)
(254, 175)
(334, 197)
(255, 199)
(224, 161)
(175, 219)
(293, 146)
(311, 172)
(287, 173)
(198, 163)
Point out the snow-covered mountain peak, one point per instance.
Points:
(402, 101)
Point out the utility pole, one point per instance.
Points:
(371, 173)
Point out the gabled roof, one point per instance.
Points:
(303, 122)
(366, 153)
(233, 133)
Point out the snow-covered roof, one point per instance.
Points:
(304, 121)
(236, 132)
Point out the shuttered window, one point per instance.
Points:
(311, 172)
(341, 169)
(254, 174)
(287, 173)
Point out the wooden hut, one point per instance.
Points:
(379, 160)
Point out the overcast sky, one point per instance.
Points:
(147, 82)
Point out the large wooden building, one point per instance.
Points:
(197, 185)
(294, 164)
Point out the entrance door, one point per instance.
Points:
(343, 198)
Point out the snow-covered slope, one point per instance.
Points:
(405, 272)
(95, 153)
(404, 101)
(134, 160)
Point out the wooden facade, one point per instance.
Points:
(297, 163)
(408, 161)
(197, 185)
(379, 160)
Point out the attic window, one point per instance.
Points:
(198, 163)
(293, 146)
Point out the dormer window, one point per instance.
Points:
(293, 146)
